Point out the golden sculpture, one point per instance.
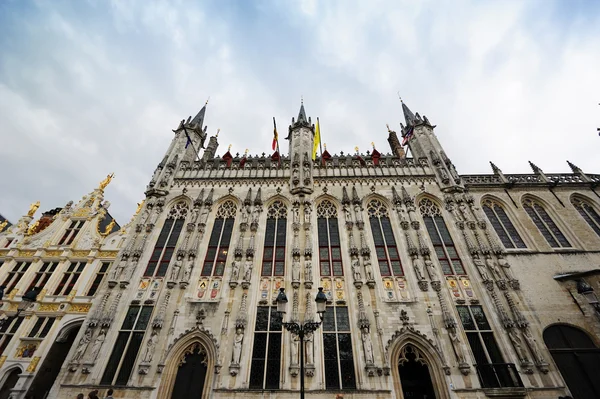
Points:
(139, 208)
(32, 208)
(33, 364)
(32, 228)
(3, 225)
(106, 182)
(109, 227)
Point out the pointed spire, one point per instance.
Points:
(535, 168)
(409, 117)
(199, 118)
(496, 169)
(302, 114)
(345, 198)
(209, 198)
(355, 197)
(258, 199)
(574, 168)
(395, 196)
(405, 197)
(248, 200)
(198, 200)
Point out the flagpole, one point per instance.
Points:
(191, 142)
(320, 141)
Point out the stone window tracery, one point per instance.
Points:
(8, 330)
(220, 238)
(330, 253)
(588, 213)
(266, 351)
(502, 225)
(275, 235)
(383, 237)
(545, 224)
(337, 349)
(440, 238)
(71, 232)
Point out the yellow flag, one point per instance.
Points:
(317, 140)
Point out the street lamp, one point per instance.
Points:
(301, 329)
(26, 301)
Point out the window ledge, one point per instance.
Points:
(33, 339)
(514, 392)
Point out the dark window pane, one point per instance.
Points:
(477, 348)
(329, 319)
(115, 358)
(144, 318)
(130, 318)
(343, 322)
(37, 326)
(346, 361)
(259, 351)
(129, 358)
(480, 318)
(331, 362)
(465, 318)
(262, 318)
(47, 327)
(492, 347)
(273, 362)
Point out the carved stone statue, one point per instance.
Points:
(516, 341)
(83, 345)
(295, 346)
(119, 270)
(456, 345)
(195, 214)
(97, 345)
(150, 346)
(309, 348)
(367, 345)
(176, 268)
(506, 267)
(430, 266)
(295, 214)
(308, 270)
(247, 270)
(356, 270)
(307, 212)
(204, 214)
(256, 213)
(481, 268)
(245, 216)
(347, 214)
(187, 272)
(238, 339)
(493, 267)
(358, 213)
(33, 208)
(296, 270)
(418, 266)
(306, 170)
(369, 270)
(532, 345)
(235, 270)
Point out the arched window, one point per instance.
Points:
(218, 245)
(383, 236)
(577, 358)
(545, 224)
(275, 234)
(330, 253)
(588, 213)
(440, 237)
(167, 240)
(504, 228)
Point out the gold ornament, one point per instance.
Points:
(108, 228)
(3, 225)
(32, 208)
(33, 364)
(32, 228)
(105, 182)
(140, 206)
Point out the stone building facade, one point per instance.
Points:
(438, 284)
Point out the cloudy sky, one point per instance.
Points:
(93, 87)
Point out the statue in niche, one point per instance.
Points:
(309, 348)
(195, 214)
(358, 213)
(516, 341)
(154, 215)
(369, 270)
(119, 270)
(367, 345)
(295, 177)
(204, 214)
(356, 269)
(128, 271)
(506, 267)
(532, 346)
(256, 213)
(463, 210)
(347, 214)
(430, 266)
(235, 270)
(295, 346)
(493, 267)
(238, 339)
(176, 268)
(296, 270)
(308, 270)
(443, 174)
(307, 212)
(456, 345)
(418, 266)
(84, 342)
(150, 345)
(98, 344)
(306, 171)
(451, 207)
(245, 215)
(296, 214)
(247, 270)
(480, 267)
(187, 272)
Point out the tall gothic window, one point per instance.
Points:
(491, 369)
(266, 351)
(588, 213)
(69, 278)
(337, 349)
(440, 237)
(275, 234)
(330, 253)
(43, 275)
(504, 228)
(383, 236)
(7, 330)
(218, 245)
(126, 348)
(167, 241)
(545, 224)
(71, 232)
(100, 274)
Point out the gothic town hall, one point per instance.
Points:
(402, 277)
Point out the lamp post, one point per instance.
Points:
(301, 329)
(26, 301)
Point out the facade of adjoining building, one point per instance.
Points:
(63, 257)
(438, 284)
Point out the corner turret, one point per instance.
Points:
(301, 137)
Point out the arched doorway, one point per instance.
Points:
(577, 358)
(47, 373)
(9, 383)
(414, 374)
(191, 375)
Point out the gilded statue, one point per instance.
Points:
(3, 225)
(139, 207)
(32, 228)
(109, 227)
(33, 208)
(106, 182)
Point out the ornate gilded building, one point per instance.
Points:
(438, 284)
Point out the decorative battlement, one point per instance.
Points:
(530, 179)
